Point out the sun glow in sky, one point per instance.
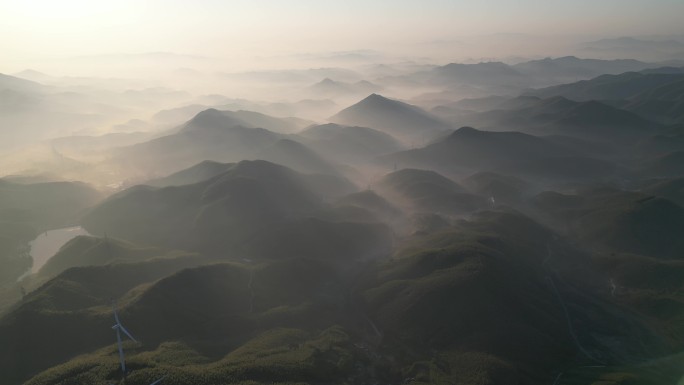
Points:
(31, 29)
(64, 10)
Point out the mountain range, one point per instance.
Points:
(404, 121)
(468, 149)
(277, 237)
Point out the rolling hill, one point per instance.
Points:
(17, 84)
(569, 68)
(668, 165)
(331, 88)
(652, 94)
(663, 104)
(504, 189)
(610, 87)
(205, 137)
(249, 209)
(347, 144)
(468, 150)
(325, 185)
(426, 317)
(217, 136)
(297, 156)
(428, 191)
(670, 189)
(560, 116)
(195, 174)
(480, 74)
(436, 296)
(618, 221)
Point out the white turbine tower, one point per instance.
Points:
(120, 328)
(154, 383)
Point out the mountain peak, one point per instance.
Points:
(208, 112)
(391, 116)
(467, 130)
(375, 96)
(208, 117)
(378, 101)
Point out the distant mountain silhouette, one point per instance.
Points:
(16, 84)
(628, 46)
(487, 74)
(33, 75)
(468, 149)
(331, 88)
(663, 104)
(561, 116)
(326, 185)
(179, 114)
(221, 136)
(610, 87)
(494, 103)
(396, 118)
(347, 144)
(208, 136)
(570, 68)
(281, 125)
(85, 143)
(535, 73)
(215, 118)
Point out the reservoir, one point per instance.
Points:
(47, 244)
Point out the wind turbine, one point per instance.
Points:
(154, 383)
(120, 328)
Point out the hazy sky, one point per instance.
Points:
(33, 29)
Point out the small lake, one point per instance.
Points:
(48, 243)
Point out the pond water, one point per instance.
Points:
(48, 243)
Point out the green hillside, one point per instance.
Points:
(255, 209)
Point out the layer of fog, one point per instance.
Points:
(65, 124)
